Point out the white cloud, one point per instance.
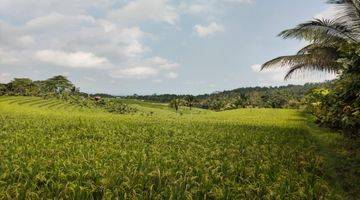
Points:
(163, 63)
(210, 8)
(212, 28)
(172, 75)
(239, 1)
(77, 42)
(142, 10)
(43, 33)
(198, 8)
(146, 68)
(58, 21)
(123, 42)
(7, 58)
(256, 68)
(139, 72)
(23, 10)
(135, 48)
(78, 36)
(88, 78)
(71, 59)
(26, 40)
(5, 77)
(12, 37)
(157, 81)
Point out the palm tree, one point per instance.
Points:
(326, 37)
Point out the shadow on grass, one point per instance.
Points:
(342, 157)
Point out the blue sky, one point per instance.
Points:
(152, 46)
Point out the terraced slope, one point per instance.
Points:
(49, 149)
(37, 102)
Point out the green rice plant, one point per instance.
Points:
(49, 152)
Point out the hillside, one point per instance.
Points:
(51, 149)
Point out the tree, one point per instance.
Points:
(3, 89)
(58, 85)
(255, 99)
(21, 86)
(175, 104)
(190, 101)
(327, 38)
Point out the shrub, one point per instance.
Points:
(338, 106)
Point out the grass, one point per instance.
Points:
(50, 149)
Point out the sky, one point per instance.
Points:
(125, 47)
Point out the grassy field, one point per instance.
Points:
(51, 149)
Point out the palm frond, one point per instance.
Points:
(330, 47)
(312, 67)
(314, 58)
(320, 31)
(327, 37)
(349, 14)
(292, 71)
(284, 61)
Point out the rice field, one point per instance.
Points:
(53, 150)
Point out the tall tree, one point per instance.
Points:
(175, 104)
(58, 84)
(20, 86)
(190, 101)
(3, 89)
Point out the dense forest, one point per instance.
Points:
(290, 96)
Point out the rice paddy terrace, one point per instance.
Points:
(53, 149)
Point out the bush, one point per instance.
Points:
(338, 105)
(114, 106)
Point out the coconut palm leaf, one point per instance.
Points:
(320, 31)
(326, 37)
(315, 58)
(314, 47)
(312, 67)
(349, 13)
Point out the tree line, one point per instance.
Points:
(61, 88)
(55, 86)
(290, 96)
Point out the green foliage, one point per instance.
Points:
(114, 106)
(61, 88)
(261, 97)
(189, 101)
(59, 85)
(334, 47)
(339, 106)
(3, 89)
(175, 104)
(21, 86)
(52, 87)
(90, 154)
